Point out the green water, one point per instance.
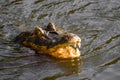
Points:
(97, 22)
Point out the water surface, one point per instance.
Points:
(97, 22)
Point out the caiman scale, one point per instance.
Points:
(51, 41)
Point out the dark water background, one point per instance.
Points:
(97, 22)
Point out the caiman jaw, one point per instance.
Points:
(67, 52)
(69, 49)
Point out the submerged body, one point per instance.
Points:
(51, 41)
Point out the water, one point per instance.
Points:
(97, 22)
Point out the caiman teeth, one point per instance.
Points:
(78, 45)
(75, 47)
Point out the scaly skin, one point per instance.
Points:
(51, 41)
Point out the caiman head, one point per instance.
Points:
(51, 41)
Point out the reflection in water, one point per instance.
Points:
(68, 67)
(96, 22)
(42, 63)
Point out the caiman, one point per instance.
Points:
(51, 41)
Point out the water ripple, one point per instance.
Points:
(19, 66)
(80, 8)
(113, 61)
(38, 1)
(107, 42)
(15, 2)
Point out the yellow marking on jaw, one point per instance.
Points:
(58, 51)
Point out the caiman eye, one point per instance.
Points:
(51, 27)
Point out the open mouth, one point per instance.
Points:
(76, 46)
